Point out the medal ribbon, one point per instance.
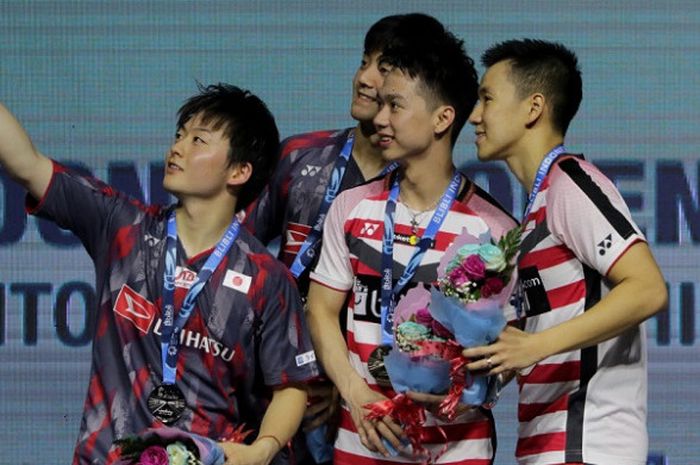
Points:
(388, 292)
(309, 248)
(542, 172)
(171, 327)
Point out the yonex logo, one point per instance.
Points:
(310, 170)
(605, 244)
(369, 229)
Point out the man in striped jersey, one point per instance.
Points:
(581, 359)
(369, 245)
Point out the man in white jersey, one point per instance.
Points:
(425, 101)
(581, 359)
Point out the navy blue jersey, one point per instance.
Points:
(246, 335)
(289, 205)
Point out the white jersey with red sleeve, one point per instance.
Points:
(350, 261)
(589, 405)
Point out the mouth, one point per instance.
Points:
(172, 167)
(385, 140)
(480, 135)
(363, 97)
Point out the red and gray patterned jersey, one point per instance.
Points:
(246, 335)
(289, 205)
(574, 405)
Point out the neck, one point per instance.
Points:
(525, 163)
(366, 152)
(200, 225)
(425, 178)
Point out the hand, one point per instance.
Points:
(513, 350)
(372, 432)
(324, 406)
(432, 402)
(258, 453)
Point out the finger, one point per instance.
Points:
(389, 435)
(395, 428)
(374, 438)
(477, 352)
(364, 439)
(424, 397)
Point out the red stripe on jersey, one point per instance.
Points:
(567, 295)
(361, 269)
(554, 373)
(305, 140)
(546, 258)
(479, 429)
(540, 444)
(528, 412)
(345, 458)
(363, 350)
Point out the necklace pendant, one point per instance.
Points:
(413, 239)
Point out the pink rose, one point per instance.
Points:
(424, 317)
(154, 455)
(474, 267)
(492, 286)
(458, 277)
(440, 331)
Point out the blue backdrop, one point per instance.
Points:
(97, 83)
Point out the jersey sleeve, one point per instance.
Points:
(334, 268)
(286, 352)
(86, 206)
(587, 213)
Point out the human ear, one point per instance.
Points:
(443, 117)
(240, 174)
(536, 107)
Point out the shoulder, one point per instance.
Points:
(311, 141)
(489, 209)
(369, 192)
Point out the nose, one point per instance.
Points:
(475, 115)
(370, 76)
(381, 119)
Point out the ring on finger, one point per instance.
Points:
(489, 363)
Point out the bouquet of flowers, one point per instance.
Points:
(172, 446)
(466, 309)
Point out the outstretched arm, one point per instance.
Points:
(638, 292)
(20, 158)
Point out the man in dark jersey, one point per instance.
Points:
(198, 326)
(315, 167)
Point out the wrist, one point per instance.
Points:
(269, 445)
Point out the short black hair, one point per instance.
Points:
(249, 126)
(433, 54)
(382, 34)
(546, 67)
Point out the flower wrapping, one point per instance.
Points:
(173, 446)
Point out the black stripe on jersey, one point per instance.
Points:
(618, 221)
(589, 366)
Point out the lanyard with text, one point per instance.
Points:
(170, 336)
(308, 249)
(389, 292)
(542, 171)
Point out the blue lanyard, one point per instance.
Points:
(518, 298)
(389, 292)
(542, 172)
(171, 327)
(309, 248)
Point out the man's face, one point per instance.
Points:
(369, 77)
(197, 162)
(500, 115)
(405, 121)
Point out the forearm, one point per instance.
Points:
(19, 157)
(329, 344)
(628, 304)
(283, 415)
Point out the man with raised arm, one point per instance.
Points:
(198, 326)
